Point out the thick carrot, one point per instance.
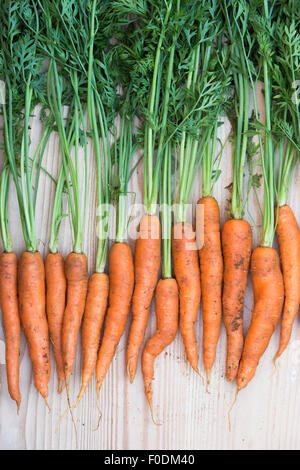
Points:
(76, 269)
(31, 286)
(121, 284)
(55, 306)
(268, 290)
(146, 268)
(211, 270)
(11, 321)
(289, 246)
(187, 273)
(166, 304)
(237, 245)
(94, 313)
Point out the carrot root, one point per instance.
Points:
(147, 264)
(211, 270)
(267, 281)
(32, 301)
(288, 235)
(11, 322)
(187, 273)
(166, 302)
(121, 283)
(237, 245)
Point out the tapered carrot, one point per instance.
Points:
(121, 284)
(146, 268)
(289, 246)
(166, 305)
(76, 269)
(268, 289)
(237, 245)
(187, 273)
(211, 270)
(55, 306)
(94, 313)
(11, 321)
(31, 286)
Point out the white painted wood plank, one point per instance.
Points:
(266, 415)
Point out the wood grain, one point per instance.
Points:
(266, 415)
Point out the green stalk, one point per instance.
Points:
(166, 213)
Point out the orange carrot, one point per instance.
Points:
(146, 268)
(31, 285)
(94, 313)
(268, 289)
(121, 283)
(211, 270)
(187, 273)
(55, 307)
(166, 304)
(237, 245)
(289, 246)
(11, 321)
(76, 269)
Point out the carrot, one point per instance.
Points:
(55, 307)
(268, 289)
(211, 270)
(187, 273)
(94, 313)
(146, 268)
(289, 246)
(11, 320)
(76, 269)
(166, 304)
(121, 283)
(237, 244)
(31, 286)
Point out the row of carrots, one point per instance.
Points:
(177, 66)
(71, 299)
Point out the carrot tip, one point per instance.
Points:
(152, 413)
(60, 386)
(18, 403)
(47, 404)
(130, 372)
(199, 373)
(80, 395)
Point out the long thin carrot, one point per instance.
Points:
(268, 290)
(94, 313)
(237, 245)
(76, 269)
(211, 270)
(187, 273)
(121, 283)
(288, 235)
(11, 321)
(55, 306)
(32, 301)
(166, 308)
(146, 268)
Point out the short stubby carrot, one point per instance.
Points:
(121, 284)
(267, 281)
(56, 285)
(166, 307)
(211, 270)
(187, 273)
(95, 308)
(11, 321)
(146, 269)
(288, 235)
(32, 301)
(76, 270)
(237, 246)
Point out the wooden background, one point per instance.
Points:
(266, 416)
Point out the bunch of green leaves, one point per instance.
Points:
(285, 100)
(21, 71)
